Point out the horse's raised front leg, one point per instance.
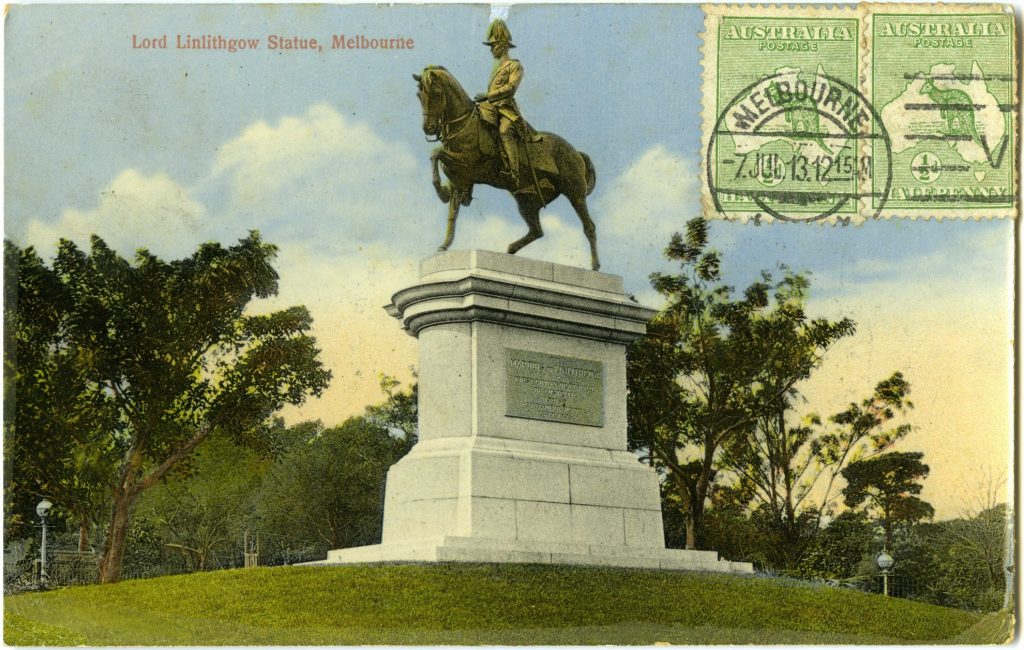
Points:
(455, 200)
(529, 209)
(443, 191)
(580, 205)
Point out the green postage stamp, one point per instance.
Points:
(857, 113)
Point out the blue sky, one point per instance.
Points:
(323, 153)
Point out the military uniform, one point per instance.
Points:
(498, 105)
(500, 109)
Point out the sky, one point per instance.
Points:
(323, 153)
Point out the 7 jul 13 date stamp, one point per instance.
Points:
(866, 112)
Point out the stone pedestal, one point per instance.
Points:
(522, 423)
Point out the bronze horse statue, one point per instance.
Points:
(469, 154)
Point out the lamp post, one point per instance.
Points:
(885, 562)
(42, 510)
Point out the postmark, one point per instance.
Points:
(842, 115)
(797, 150)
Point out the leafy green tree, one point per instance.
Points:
(839, 549)
(202, 517)
(973, 554)
(889, 483)
(145, 554)
(730, 530)
(712, 364)
(326, 491)
(55, 423)
(862, 431)
(169, 350)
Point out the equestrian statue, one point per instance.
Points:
(486, 140)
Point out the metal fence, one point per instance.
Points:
(66, 568)
(899, 585)
(22, 572)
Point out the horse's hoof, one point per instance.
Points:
(441, 249)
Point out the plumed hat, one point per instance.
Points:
(498, 33)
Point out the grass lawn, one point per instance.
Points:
(478, 604)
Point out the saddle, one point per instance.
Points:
(539, 154)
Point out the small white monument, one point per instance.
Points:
(522, 423)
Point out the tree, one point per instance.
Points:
(861, 431)
(54, 421)
(785, 474)
(839, 548)
(889, 483)
(712, 364)
(973, 552)
(979, 543)
(399, 412)
(168, 349)
(327, 490)
(203, 517)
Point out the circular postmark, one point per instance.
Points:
(796, 149)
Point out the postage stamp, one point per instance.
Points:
(859, 113)
(945, 86)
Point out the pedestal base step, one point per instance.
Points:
(475, 549)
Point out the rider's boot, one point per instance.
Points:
(508, 145)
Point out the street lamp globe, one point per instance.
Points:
(884, 560)
(43, 508)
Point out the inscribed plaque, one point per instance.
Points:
(554, 388)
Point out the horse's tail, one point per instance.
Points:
(591, 173)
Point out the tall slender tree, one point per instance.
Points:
(786, 473)
(713, 363)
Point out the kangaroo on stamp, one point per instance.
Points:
(945, 85)
(842, 115)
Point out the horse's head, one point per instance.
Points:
(432, 100)
(440, 95)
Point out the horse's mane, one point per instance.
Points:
(442, 72)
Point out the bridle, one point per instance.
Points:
(444, 131)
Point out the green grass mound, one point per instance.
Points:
(475, 604)
(19, 630)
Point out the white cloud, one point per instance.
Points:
(653, 198)
(323, 176)
(352, 213)
(642, 208)
(134, 211)
(341, 203)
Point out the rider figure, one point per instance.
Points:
(498, 105)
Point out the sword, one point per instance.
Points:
(526, 147)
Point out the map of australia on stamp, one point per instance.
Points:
(944, 82)
(849, 114)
